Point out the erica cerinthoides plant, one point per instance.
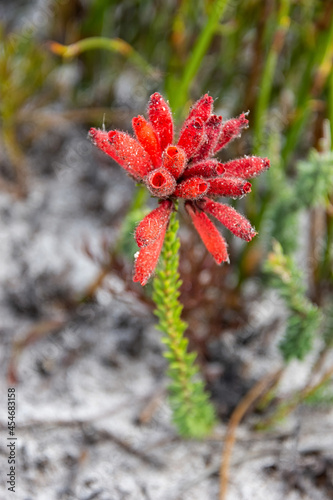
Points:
(182, 170)
(185, 170)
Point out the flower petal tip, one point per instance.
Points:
(92, 133)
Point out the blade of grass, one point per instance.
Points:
(310, 88)
(330, 106)
(178, 99)
(326, 264)
(283, 22)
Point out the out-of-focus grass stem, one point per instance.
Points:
(116, 45)
(267, 79)
(178, 98)
(310, 87)
(326, 267)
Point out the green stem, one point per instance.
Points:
(116, 45)
(178, 99)
(140, 198)
(193, 414)
(267, 79)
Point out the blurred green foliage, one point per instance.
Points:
(24, 69)
(304, 317)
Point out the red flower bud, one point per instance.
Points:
(153, 224)
(213, 240)
(191, 136)
(130, 154)
(247, 167)
(192, 188)
(212, 132)
(201, 109)
(101, 140)
(208, 168)
(230, 130)
(228, 186)
(148, 139)
(160, 182)
(229, 217)
(146, 259)
(161, 119)
(174, 160)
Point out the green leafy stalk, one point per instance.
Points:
(304, 318)
(312, 188)
(193, 414)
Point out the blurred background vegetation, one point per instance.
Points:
(88, 62)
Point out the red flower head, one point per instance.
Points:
(183, 170)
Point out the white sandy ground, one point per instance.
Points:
(81, 390)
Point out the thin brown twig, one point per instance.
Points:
(17, 160)
(318, 363)
(37, 331)
(92, 288)
(269, 395)
(11, 187)
(309, 391)
(287, 407)
(150, 408)
(235, 419)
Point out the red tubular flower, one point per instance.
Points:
(212, 132)
(161, 182)
(101, 139)
(146, 259)
(192, 188)
(153, 224)
(247, 167)
(228, 186)
(229, 217)
(174, 160)
(130, 154)
(213, 240)
(208, 168)
(161, 119)
(191, 136)
(230, 130)
(185, 170)
(201, 109)
(148, 139)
